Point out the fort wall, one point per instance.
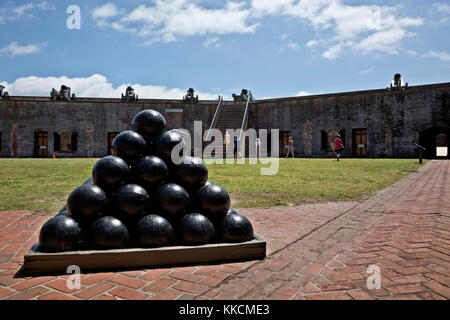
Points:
(392, 121)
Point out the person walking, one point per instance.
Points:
(338, 146)
(290, 147)
(257, 146)
(236, 147)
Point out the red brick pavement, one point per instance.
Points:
(314, 252)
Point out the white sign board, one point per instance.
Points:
(441, 151)
(361, 146)
(43, 147)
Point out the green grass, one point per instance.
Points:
(43, 185)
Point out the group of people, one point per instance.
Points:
(237, 152)
(338, 146)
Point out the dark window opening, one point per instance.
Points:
(284, 139)
(74, 142)
(342, 133)
(111, 136)
(65, 142)
(323, 140)
(56, 141)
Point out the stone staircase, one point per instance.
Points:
(230, 117)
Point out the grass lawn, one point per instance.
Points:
(43, 185)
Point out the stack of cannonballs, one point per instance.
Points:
(139, 198)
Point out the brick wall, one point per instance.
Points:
(393, 119)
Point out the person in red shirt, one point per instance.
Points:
(338, 146)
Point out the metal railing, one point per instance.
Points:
(245, 119)
(421, 150)
(216, 116)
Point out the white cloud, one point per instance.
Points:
(304, 93)
(440, 12)
(10, 12)
(382, 41)
(94, 86)
(443, 55)
(341, 27)
(353, 27)
(15, 49)
(440, 8)
(212, 43)
(293, 45)
(167, 20)
(106, 11)
(411, 53)
(333, 52)
(312, 43)
(366, 71)
(265, 7)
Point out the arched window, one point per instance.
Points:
(331, 136)
(441, 140)
(441, 145)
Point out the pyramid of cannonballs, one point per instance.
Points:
(138, 198)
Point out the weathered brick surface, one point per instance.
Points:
(165, 283)
(324, 253)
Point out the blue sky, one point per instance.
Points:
(274, 48)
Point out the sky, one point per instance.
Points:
(276, 49)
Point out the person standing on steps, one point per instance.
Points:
(338, 146)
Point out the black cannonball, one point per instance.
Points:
(165, 143)
(63, 212)
(196, 229)
(110, 172)
(192, 174)
(60, 233)
(214, 202)
(109, 233)
(131, 199)
(151, 172)
(89, 181)
(86, 203)
(154, 231)
(173, 200)
(208, 183)
(232, 211)
(235, 228)
(149, 124)
(129, 145)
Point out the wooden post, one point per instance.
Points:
(420, 155)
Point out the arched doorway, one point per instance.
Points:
(436, 142)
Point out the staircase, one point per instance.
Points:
(230, 117)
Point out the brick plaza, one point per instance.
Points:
(317, 251)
